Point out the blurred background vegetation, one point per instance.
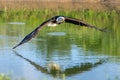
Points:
(60, 4)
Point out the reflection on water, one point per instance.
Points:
(56, 33)
(70, 51)
(18, 23)
(68, 71)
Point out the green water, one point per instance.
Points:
(78, 50)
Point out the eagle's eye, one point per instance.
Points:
(60, 19)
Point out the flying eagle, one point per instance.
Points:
(54, 21)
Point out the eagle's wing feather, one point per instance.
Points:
(80, 22)
(33, 33)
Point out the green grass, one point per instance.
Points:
(4, 77)
(46, 13)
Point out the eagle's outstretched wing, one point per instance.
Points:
(80, 22)
(33, 33)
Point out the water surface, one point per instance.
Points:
(81, 53)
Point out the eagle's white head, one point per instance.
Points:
(60, 19)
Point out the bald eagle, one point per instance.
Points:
(54, 21)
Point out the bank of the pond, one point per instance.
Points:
(64, 4)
